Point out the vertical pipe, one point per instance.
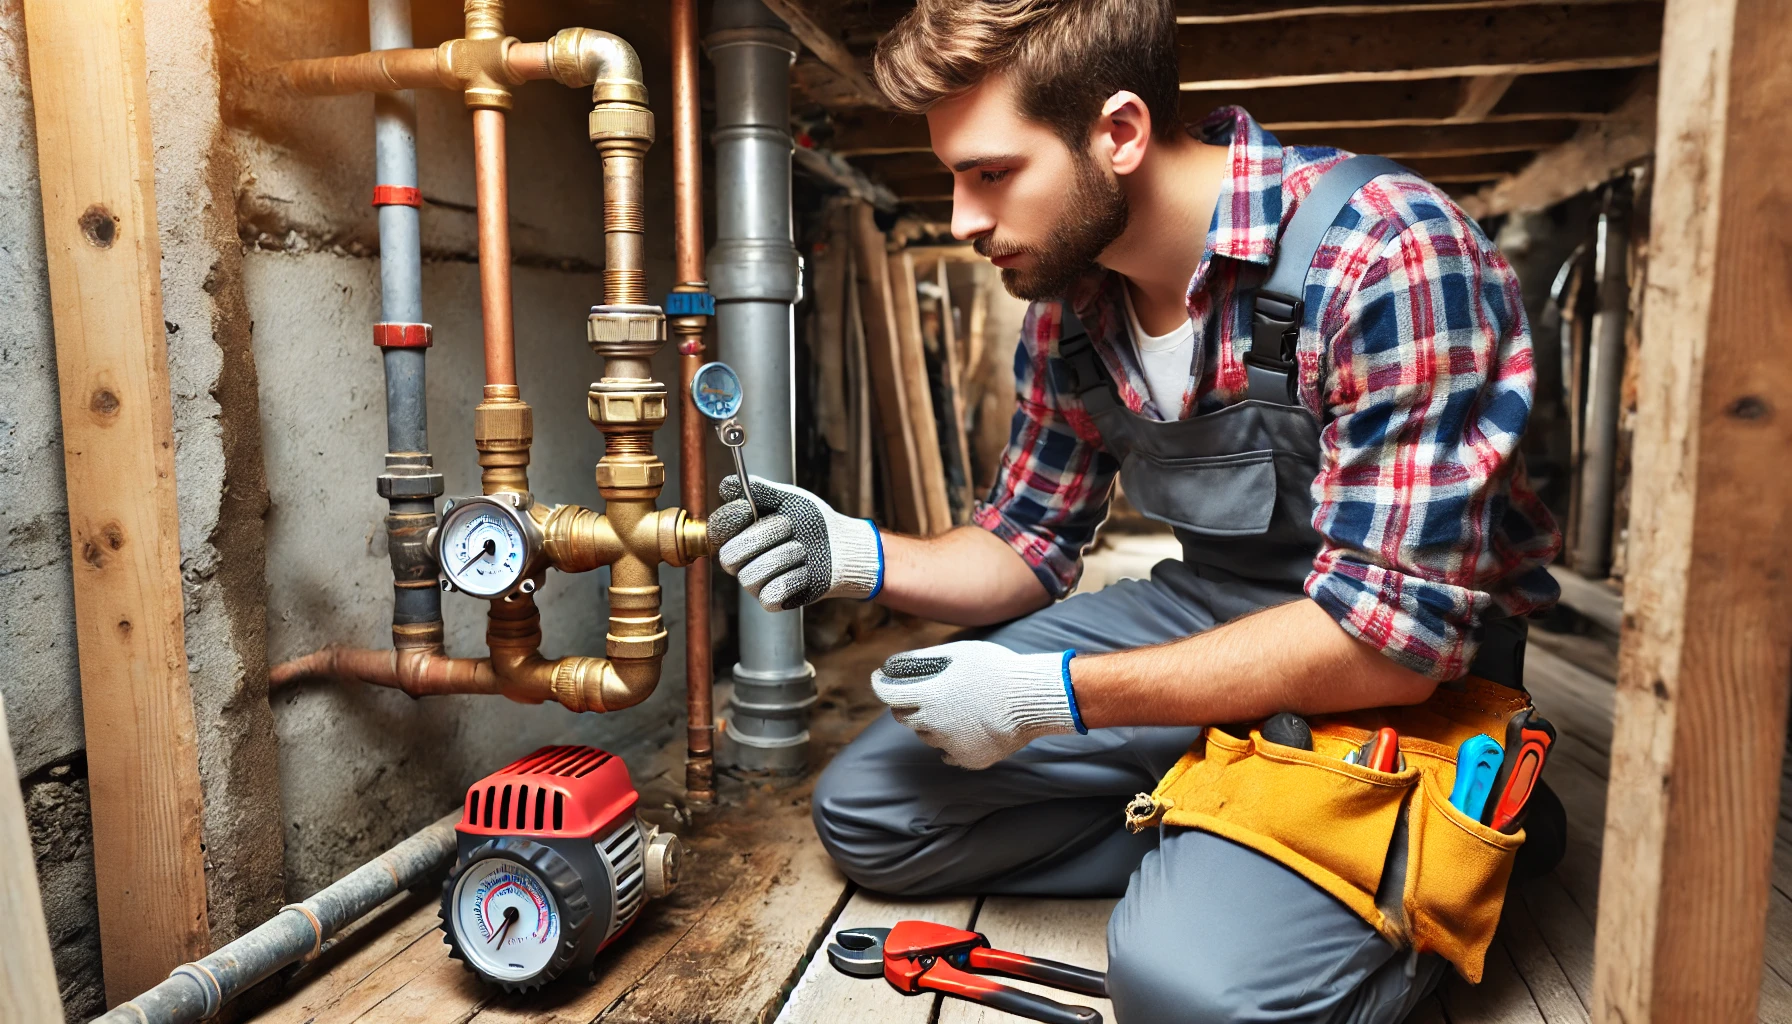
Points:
(754, 272)
(490, 176)
(687, 189)
(1592, 555)
(410, 483)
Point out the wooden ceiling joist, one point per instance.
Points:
(1437, 140)
(1426, 43)
(1220, 12)
(811, 31)
(1579, 95)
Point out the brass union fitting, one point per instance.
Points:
(503, 429)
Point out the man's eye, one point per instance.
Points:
(991, 177)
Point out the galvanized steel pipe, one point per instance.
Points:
(200, 989)
(755, 275)
(410, 483)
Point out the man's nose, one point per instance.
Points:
(969, 218)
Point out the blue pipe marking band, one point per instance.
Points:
(690, 304)
(879, 537)
(1076, 714)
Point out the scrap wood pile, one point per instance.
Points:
(910, 351)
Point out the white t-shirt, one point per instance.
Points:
(1165, 358)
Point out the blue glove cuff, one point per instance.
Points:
(1076, 715)
(878, 587)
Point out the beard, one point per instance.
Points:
(1095, 213)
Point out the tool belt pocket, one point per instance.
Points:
(1437, 885)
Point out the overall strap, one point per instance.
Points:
(1089, 379)
(1279, 306)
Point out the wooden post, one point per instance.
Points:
(1700, 719)
(886, 373)
(27, 974)
(94, 160)
(922, 421)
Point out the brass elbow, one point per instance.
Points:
(579, 57)
(513, 632)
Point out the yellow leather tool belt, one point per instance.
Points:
(1436, 885)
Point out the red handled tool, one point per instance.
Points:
(1381, 752)
(1528, 739)
(920, 956)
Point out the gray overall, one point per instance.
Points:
(1207, 930)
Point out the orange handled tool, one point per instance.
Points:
(1529, 736)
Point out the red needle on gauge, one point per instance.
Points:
(510, 916)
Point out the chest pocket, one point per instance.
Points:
(1230, 495)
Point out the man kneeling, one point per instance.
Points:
(1355, 520)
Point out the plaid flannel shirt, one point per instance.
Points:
(1419, 371)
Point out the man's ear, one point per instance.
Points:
(1123, 132)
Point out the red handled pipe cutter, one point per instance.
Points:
(920, 956)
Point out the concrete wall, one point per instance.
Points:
(270, 279)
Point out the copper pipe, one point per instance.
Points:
(492, 187)
(687, 191)
(687, 150)
(418, 671)
(378, 71)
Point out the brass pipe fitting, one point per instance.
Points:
(627, 404)
(503, 430)
(513, 632)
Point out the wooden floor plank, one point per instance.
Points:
(1072, 931)
(1500, 998)
(1573, 699)
(350, 958)
(734, 963)
(445, 992)
(1537, 966)
(1565, 928)
(1776, 999)
(826, 996)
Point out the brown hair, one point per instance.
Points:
(1066, 56)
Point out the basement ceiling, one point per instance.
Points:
(1466, 92)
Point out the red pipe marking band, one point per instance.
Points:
(403, 335)
(396, 195)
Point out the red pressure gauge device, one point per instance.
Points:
(553, 866)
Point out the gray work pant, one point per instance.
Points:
(1207, 930)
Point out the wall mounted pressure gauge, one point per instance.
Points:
(553, 866)
(488, 546)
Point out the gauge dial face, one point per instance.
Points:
(507, 920)
(483, 549)
(716, 390)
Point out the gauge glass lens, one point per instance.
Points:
(507, 921)
(483, 549)
(715, 388)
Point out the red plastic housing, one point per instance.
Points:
(571, 792)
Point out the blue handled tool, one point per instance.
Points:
(1477, 763)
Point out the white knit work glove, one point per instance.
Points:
(977, 701)
(799, 551)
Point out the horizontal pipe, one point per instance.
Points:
(199, 990)
(377, 71)
(574, 57)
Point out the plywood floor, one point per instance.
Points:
(738, 941)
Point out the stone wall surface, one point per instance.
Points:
(270, 282)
